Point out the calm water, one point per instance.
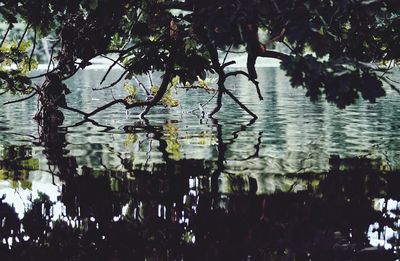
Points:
(179, 184)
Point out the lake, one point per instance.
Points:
(305, 181)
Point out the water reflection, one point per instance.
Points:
(173, 213)
(301, 183)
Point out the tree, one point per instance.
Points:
(338, 49)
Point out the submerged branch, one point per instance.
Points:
(240, 104)
(105, 106)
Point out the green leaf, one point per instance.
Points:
(130, 89)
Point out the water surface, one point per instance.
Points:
(178, 169)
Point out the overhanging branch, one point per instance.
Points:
(254, 81)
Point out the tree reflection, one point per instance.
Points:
(178, 211)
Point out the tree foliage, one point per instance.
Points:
(340, 50)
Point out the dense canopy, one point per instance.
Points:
(340, 50)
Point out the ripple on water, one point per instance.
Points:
(288, 124)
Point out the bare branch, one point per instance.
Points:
(23, 36)
(254, 81)
(141, 85)
(273, 54)
(5, 35)
(227, 53)
(112, 84)
(240, 104)
(288, 46)
(33, 48)
(224, 65)
(75, 110)
(43, 74)
(20, 100)
(219, 103)
(52, 54)
(109, 70)
(392, 86)
(118, 101)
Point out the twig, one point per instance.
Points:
(390, 79)
(118, 101)
(115, 62)
(75, 110)
(22, 37)
(387, 69)
(141, 85)
(219, 102)
(228, 63)
(273, 54)
(5, 35)
(288, 46)
(51, 62)
(20, 100)
(112, 84)
(150, 79)
(221, 74)
(385, 79)
(33, 48)
(227, 53)
(108, 58)
(43, 74)
(204, 104)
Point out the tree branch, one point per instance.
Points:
(164, 84)
(5, 35)
(33, 48)
(20, 100)
(240, 104)
(273, 54)
(254, 81)
(112, 84)
(23, 36)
